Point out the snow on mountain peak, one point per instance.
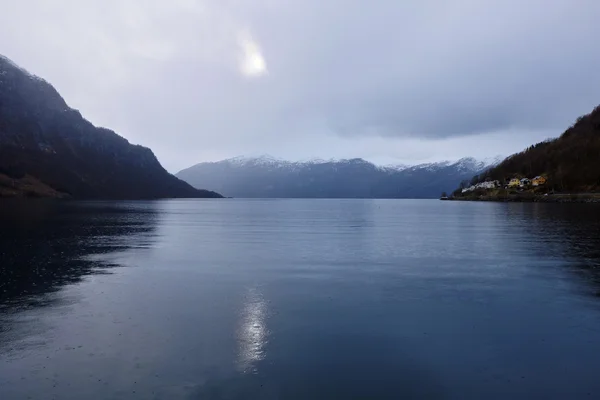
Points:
(263, 160)
(464, 164)
(493, 161)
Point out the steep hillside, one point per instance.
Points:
(49, 149)
(356, 178)
(571, 162)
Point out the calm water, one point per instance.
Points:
(299, 299)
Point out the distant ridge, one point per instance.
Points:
(269, 177)
(47, 149)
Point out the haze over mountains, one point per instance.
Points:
(48, 149)
(268, 177)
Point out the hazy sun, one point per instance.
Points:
(252, 62)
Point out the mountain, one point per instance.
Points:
(48, 149)
(571, 162)
(268, 177)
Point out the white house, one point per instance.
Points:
(488, 185)
(482, 185)
(525, 182)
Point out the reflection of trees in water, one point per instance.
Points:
(45, 245)
(570, 231)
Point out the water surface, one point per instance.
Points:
(299, 299)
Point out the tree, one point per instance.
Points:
(569, 162)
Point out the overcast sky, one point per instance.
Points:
(392, 81)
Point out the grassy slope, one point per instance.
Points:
(27, 186)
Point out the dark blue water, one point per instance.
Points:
(299, 299)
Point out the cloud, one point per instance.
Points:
(399, 78)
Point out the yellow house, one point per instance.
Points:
(538, 181)
(515, 182)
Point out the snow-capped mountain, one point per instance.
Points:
(268, 177)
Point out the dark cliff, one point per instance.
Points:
(49, 149)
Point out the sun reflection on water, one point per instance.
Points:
(253, 333)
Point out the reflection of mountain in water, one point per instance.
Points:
(45, 245)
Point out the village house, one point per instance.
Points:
(515, 182)
(487, 185)
(538, 181)
(524, 182)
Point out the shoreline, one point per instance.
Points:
(534, 198)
